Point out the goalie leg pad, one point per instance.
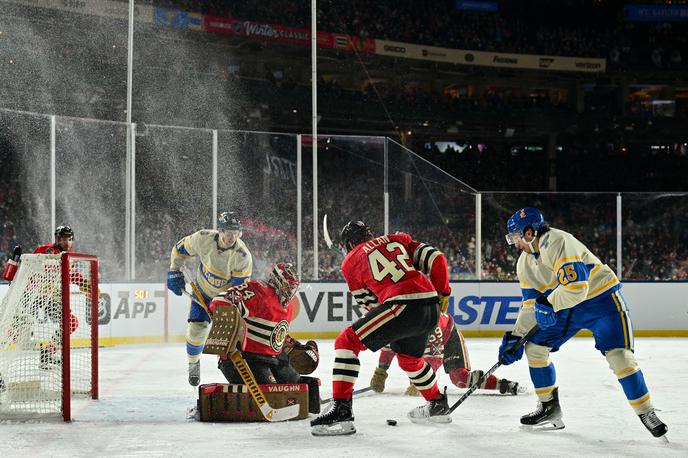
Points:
(196, 334)
(222, 402)
(227, 332)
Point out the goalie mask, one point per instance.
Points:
(285, 281)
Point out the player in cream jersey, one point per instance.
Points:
(565, 288)
(224, 261)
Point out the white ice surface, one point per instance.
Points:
(144, 396)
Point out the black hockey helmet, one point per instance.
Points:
(355, 232)
(228, 221)
(63, 231)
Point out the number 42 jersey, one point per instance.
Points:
(393, 268)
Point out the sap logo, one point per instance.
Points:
(470, 308)
(337, 310)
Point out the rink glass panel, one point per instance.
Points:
(91, 189)
(655, 236)
(58, 61)
(433, 207)
(256, 178)
(173, 193)
(591, 218)
(350, 187)
(25, 157)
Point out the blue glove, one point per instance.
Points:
(545, 316)
(175, 282)
(505, 353)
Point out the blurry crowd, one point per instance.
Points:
(569, 28)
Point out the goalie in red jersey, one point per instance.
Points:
(446, 347)
(387, 275)
(267, 309)
(64, 239)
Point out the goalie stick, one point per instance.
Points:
(270, 414)
(521, 342)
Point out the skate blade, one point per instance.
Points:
(664, 439)
(342, 428)
(438, 419)
(549, 425)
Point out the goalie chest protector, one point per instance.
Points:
(224, 402)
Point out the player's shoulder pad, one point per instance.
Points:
(242, 249)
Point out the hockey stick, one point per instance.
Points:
(521, 342)
(355, 393)
(328, 239)
(270, 414)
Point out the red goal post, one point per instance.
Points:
(68, 262)
(49, 336)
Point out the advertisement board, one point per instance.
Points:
(147, 312)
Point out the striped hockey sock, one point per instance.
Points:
(346, 363)
(421, 375)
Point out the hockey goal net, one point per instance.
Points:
(49, 335)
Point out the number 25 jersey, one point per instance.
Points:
(392, 267)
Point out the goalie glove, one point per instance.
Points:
(303, 358)
(12, 264)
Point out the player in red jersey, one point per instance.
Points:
(446, 347)
(387, 275)
(267, 309)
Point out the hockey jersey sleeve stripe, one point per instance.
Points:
(251, 323)
(424, 257)
(530, 293)
(181, 249)
(255, 319)
(261, 338)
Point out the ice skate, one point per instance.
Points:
(653, 423)
(435, 411)
(508, 387)
(195, 373)
(48, 361)
(338, 420)
(548, 414)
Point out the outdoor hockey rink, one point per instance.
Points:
(144, 396)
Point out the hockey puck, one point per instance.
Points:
(392, 422)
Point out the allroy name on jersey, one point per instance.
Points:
(501, 310)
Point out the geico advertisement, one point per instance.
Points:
(328, 307)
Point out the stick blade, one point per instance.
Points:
(281, 414)
(326, 233)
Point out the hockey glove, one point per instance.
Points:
(545, 316)
(444, 302)
(506, 355)
(377, 383)
(175, 282)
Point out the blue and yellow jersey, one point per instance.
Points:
(218, 269)
(565, 271)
